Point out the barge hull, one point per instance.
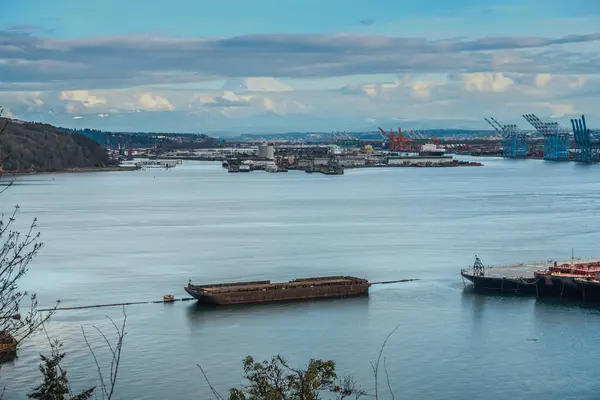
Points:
(501, 284)
(265, 292)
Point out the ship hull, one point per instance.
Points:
(501, 284)
(590, 290)
(558, 286)
(568, 287)
(278, 295)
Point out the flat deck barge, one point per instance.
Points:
(267, 291)
(576, 278)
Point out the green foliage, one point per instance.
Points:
(41, 147)
(276, 380)
(56, 384)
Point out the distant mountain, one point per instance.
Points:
(29, 146)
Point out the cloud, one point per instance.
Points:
(405, 86)
(366, 22)
(228, 99)
(82, 96)
(290, 82)
(256, 84)
(150, 101)
(558, 109)
(127, 60)
(487, 82)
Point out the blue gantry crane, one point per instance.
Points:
(584, 149)
(557, 141)
(514, 141)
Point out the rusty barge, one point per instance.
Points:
(267, 291)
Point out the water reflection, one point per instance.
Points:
(200, 314)
(545, 304)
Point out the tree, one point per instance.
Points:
(276, 380)
(56, 384)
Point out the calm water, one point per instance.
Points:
(114, 237)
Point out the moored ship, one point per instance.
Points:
(266, 291)
(575, 279)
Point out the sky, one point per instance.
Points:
(264, 66)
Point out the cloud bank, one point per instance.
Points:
(109, 81)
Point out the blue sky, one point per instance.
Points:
(265, 65)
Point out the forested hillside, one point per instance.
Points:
(28, 146)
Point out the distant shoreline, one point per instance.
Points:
(69, 171)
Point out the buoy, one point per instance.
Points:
(168, 298)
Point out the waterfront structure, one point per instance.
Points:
(557, 146)
(266, 151)
(584, 151)
(514, 141)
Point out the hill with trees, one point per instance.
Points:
(36, 147)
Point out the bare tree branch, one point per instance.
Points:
(212, 389)
(102, 384)
(16, 252)
(387, 377)
(108, 387)
(376, 366)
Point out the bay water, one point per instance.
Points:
(134, 236)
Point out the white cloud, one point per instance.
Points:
(150, 101)
(88, 100)
(421, 89)
(358, 106)
(486, 82)
(283, 106)
(542, 80)
(578, 82)
(558, 110)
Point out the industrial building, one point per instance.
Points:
(266, 151)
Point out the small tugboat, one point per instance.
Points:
(167, 298)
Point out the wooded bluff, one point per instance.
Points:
(37, 147)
